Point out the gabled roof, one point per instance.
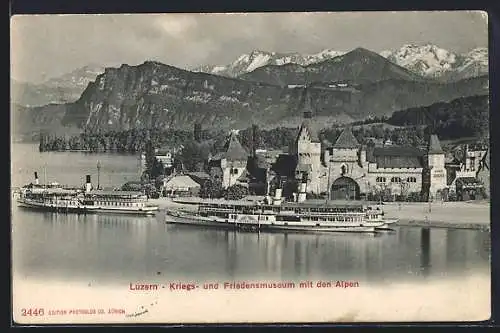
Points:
(434, 145)
(396, 157)
(397, 151)
(181, 182)
(346, 140)
(233, 150)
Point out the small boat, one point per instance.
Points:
(77, 200)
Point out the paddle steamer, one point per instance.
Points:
(55, 197)
(273, 214)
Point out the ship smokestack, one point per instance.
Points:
(88, 184)
(277, 196)
(36, 178)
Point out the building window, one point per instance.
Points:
(234, 171)
(395, 180)
(381, 180)
(411, 180)
(472, 164)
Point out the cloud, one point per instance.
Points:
(176, 24)
(51, 45)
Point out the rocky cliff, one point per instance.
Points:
(157, 95)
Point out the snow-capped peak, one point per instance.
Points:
(426, 59)
(248, 62)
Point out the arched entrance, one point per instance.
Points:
(344, 188)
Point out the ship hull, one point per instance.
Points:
(52, 208)
(83, 209)
(189, 219)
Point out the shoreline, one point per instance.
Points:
(454, 215)
(443, 225)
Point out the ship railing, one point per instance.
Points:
(291, 212)
(116, 199)
(53, 186)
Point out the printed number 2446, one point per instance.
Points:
(32, 312)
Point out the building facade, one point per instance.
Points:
(349, 170)
(229, 167)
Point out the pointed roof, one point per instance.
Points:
(346, 140)
(233, 150)
(307, 108)
(434, 145)
(307, 126)
(307, 123)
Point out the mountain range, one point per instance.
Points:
(62, 89)
(431, 61)
(427, 60)
(255, 59)
(353, 86)
(356, 67)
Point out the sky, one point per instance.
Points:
(45, 46)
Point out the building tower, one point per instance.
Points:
(229, 166)
(436, 172)
(308, 149)
(345, 166)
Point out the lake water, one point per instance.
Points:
(111, 249)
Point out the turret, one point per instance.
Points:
(308, 147)
(435, 164)
(435, 154)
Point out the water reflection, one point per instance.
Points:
(114, 248)
(110, 247)
(425, 244)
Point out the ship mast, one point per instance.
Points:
(328, 188)
(98, 174)
(45, 176)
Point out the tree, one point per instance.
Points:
(236, 192)
(157, 170)
(150, 156)
(154, 167)
(193, 156)
(210, 189)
